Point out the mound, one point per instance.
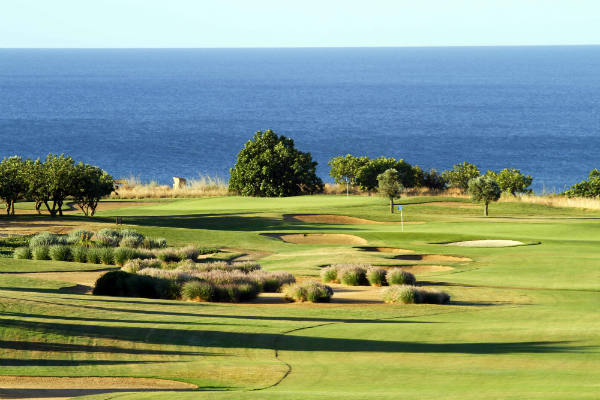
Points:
(386, 250)
(26, 387)
(419, 269)
(431, 258)
(317, 238)
(486, 243)
(339, 220)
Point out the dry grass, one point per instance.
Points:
(204, 186)
(554, 200)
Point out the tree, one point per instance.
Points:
(512, 181)
(389, 186)
(484, 190)
(58, 179)
(270, 166)
(90, 185)
(460, 175)
(367, 174)
(433, 180)
(589, 188)
(35, 178)
(13, 185)
(344, 169)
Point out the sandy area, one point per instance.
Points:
(340, 220)
(386, 250)
(431, 258)
(55, 388)
(486, 243)
(317, 238)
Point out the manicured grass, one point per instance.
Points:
(522, 322)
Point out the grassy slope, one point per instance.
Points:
(523, 325)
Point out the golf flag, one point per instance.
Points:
(399, 208)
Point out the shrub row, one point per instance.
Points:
(407, 294)
(197, 290)
(356, 274)
(106, 237)
(312, 291)
(124, 284)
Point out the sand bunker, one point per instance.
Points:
(340, 220)
(486, 243)
(386, 250)
(58, 388)
(431, 258)
(317, 238)
(419, 269)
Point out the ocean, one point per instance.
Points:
(159, 113)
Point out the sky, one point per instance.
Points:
(296, 23)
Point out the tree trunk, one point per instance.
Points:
(8, 207)
(485, 210)
(392, 206)
(347, 189)
(38, 206)
(12, 212)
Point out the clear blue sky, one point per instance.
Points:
(292, 23)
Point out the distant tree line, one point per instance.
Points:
(50, 182)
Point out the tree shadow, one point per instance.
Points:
(70, 393)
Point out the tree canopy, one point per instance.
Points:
(367, 174)
(344, 169)
(270, 166)
(586, 188)
(512, 181)
(484, 189)
(460, 175)
(389, 186)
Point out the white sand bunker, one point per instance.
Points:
(340, 220)
(317, 238)
(486, 243)
(30, 387)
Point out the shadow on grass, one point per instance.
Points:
(15, 362)
(69, 393)
(250, 340)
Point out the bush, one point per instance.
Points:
(46, 239)
(107, 255)
(314, 292)
(235, 293)
(131, 233)
(271, 282)
(106, 241)
(121, 283)
(137, 264)
(114, 233)
(39, 252)
(131, 242)
(376, 276)
(94, 255)
(22, 253)
(79, 236)
(60, 252)
(198, 291)
(168, 255)
(433, 297)
(207, 250)
(400, 277)
(79, 253)
(329, 274)
(189, 253)
(149, 243)
(401, 294)
(123, 254)
(352, 275)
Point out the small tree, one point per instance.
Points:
(57, 178)
(460, 175)
(589, 188)
(512, 181)
(35, 178)
(368, 173)
(344, 169)
(90, 185)
(389, 186)
(270, 166)
(484, 190)
(434, 180)
(13, 185)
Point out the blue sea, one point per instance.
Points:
(161, 113)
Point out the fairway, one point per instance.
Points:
(522, 322)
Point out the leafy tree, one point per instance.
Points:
(270, 166)
(344, 169)
(433, 180)
(589, 188)
(35, 178)
(368, 173)
(389, 186)
(58, 179)
(460, 175)
(13, 185)
(484, 190)
(90, 185)
(512, 181)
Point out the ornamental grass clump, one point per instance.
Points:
(137, 264)
(433, 297)
(188, 253)
(123, 254)
(60, 252)
(94, 255)
(401, 294)
(79, 236)
(40, 252)
(130, 241)
(329, 274)
(150, 243)
(400, 277)
(46, 239)
(271, 282)
(107, 255)
(198, 291)
(352, 275)
(22, 253)
(105, 240)
(168, 255)
(377, 276)
(311, 291)
(207, 250)
(79, 253)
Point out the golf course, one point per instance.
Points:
(522, 320)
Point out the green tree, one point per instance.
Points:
(460, 175)
(367, 174)
(58, 179)
(270, 166)
(90, 185)
(344, 169)
(35, 178)
(484, 190)
(512, 181)
(389, 186)
(587, 188)
(13, 185)
(434, 180)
